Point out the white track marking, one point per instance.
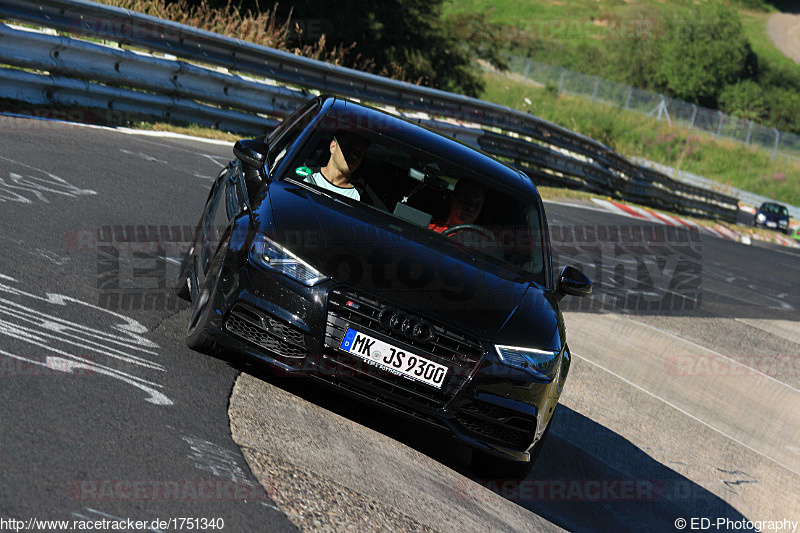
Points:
(66, 365)
(610, 207)
(39, 337)
(169, 135)
(128, 326)
(215, 459)
(56, 259)
(127, 131)
(36, 186)
(20, 321)
(632, 384)
(141, 155)
(683, 339)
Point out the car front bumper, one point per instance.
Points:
(297, 330)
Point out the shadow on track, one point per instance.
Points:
(574, 487)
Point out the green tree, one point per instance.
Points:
(405, 39)
(634, 60)
(703, 51)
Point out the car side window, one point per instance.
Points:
(281, 140)
(280, 128)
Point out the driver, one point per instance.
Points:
(465, 206)
(347, 152)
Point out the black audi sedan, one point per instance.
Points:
(392, 263)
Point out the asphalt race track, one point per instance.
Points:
(682, 400)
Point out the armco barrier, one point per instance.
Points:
(576, 158)
(43, 89)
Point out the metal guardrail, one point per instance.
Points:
(43, 89)
(82, 59)
(545, 149)
(745, 197)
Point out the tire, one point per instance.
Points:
(202, 305)
(196, 338)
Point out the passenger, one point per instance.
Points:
(347, 152)
(466, 204)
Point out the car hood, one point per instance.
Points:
(407, 266)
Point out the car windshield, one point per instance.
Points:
(775, 209)
(458, 206)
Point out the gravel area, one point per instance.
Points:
(316, 503)
(332, 464)
(784, 30)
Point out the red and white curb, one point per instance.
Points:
(660, 218)
(780, 239)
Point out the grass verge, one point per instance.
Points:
(632, 134)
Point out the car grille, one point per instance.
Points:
(461, 353)
(266, 332)
(503, 426)
(366, 394)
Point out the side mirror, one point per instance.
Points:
(251, 152)
(253, 155)
(573, 282)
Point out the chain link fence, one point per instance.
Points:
(660, 107)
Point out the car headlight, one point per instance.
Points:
(761, 217)
(272, 256)
(538, 363)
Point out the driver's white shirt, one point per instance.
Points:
(320, 181)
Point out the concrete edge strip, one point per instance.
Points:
(686, 413)
(670, 334)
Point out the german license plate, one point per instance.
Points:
(393, 359)
(772, 224)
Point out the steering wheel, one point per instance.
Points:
(473, 227)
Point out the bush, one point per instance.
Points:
(783, 109)
(744, 99)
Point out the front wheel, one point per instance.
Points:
(203, 306)
(196, 337)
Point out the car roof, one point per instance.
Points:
(420, 136)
